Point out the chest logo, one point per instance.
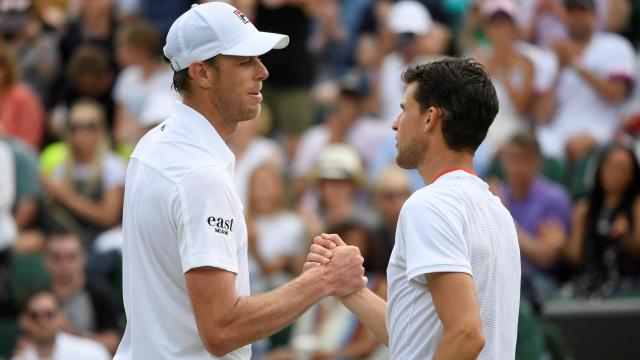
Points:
(220, 225)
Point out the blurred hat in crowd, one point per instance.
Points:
(409, 16)
(491, 8)
(355, 84)
(587, 4)
(157, 107)
(214, 28)
(339, 162)
(14, 16)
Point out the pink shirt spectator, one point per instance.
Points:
(22, 115)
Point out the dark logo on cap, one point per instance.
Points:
(241, 16)
(221, 226)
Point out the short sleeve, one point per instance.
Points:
(209, 220)
(27, 184)
(620, 64)
(113, 172)
(433, 232)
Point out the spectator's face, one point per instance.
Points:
(65, 258)
(336, 191)
(521, 165)
(42, 319)
(235, 85)
(128, 55)
(409, 127)
(84, 129)
(266, 191)
(580, 22)
(390, 198)
(616, 172)
(93, 8)
(500, 29)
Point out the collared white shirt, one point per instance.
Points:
(454, 224)
(181, 211)
(69, 346)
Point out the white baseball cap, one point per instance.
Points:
(409, 16)
(214, 28)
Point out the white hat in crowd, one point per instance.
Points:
(339, 162)
(409, 16)
(214, 28)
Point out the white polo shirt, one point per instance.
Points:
(181, 211)
(453, 225)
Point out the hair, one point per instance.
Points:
(527, 141)
(597, 194)
(182, 80)
(102, 147)
(462, 89)
(140, 34)
(272, 170)
(8, 62)
(31, 295)
(87, 60)
(374, 260)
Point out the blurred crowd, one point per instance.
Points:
(81, 81)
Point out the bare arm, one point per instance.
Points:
(106, 213)
(26, 212)
(227, 321)
(573, 251)
(545, 106)
(544, 249)
(455, 301)
(612, 90)
(521, 97)
(632, 242)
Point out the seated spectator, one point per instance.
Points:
(90, 306)
(42, 321)
(278, 240)
(512, 73)
(144, 73)
(347, 124)
(541, 211)
(20, 195)
(337, 194)
(391, 190)
(597, 74)
(604, 246)
(329, 330)
(253, 150)
(21, 111)
(86, 191)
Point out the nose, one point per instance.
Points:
(263, 73)
(394, 125)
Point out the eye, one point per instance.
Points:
(246, 61)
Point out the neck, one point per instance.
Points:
(446, 160)
(64, 289)
(612, 201)
(520, 192)
(583, 40)
(209, 111)
(149, 67)
(45, 348)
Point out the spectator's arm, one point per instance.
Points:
(455, 301)
(545, 106)
(543, 250)
(26, 212)
(522, 96)
(632, 242)
(612, 90)
(573, 251)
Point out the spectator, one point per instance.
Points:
(330, 42)
(90, 76)
(21, 112)
(597, 73)
(541, 210)
(347, 125)
(605, 240)
(512, 73)
(253, 150)
(138, 46)
(42, 320)
(543, 21)
(86, 191)
(287, 91)
(392, 189)
(89, 305)
(277, 237)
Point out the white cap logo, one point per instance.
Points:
(241, 16)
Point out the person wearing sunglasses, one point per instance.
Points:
(41, 321)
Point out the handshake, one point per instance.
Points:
(340, 265)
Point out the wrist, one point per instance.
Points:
(315, 278)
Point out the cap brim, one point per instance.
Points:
(257, 44)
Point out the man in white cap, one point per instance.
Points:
(186, 280)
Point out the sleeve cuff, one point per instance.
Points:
(417, 276)
(212, 261)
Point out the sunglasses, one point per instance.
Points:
(46, 315)
(90, 126)
(60, 257)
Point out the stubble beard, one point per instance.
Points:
(410, 156)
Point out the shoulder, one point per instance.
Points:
(434, 199)
(553, 191)
(130, 73)
(604, 43)
(83, 348)
(113, 161)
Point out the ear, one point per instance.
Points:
(200, 75)
(431, 117)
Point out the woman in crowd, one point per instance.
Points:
(605, 243)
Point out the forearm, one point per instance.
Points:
(256, 317)
(612, 91)
(26, 212)
(89, 210)
(371, 310)
(460, 345)
(545, 107)
(535, 250)
(520, 98)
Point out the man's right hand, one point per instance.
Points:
(342, 270)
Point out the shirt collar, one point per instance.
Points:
(204, 130)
